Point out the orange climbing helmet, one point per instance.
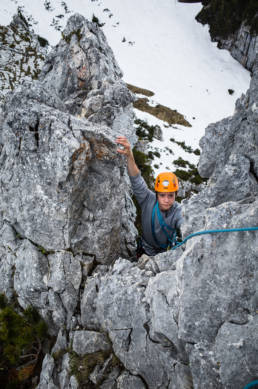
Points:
(166, 182)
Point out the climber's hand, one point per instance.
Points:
(125, 149)
(124, 146)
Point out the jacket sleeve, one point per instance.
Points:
(140, 189)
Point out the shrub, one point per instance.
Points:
(144, 130)
(42, 41)
(226, 16)
(21, 338)
(191, 175)
(96, 20)
(186, 148)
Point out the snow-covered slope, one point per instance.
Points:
(160, 47)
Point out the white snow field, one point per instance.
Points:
(160, 47)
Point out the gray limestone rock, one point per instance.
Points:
(99, 373)
(127, 380)
(61, 344)
(237, 342)
(63, 184)
(64, 375)
(30, 275)
(88, 342)
(65, 279)
(46, 375)
(73, 384)
(22, 54)
(183, 319)
(8, 246)
(233, 175)
(83, 72)
(242, 45)
(65, 202)
(219, 272)
(125, 309)
(88, 306)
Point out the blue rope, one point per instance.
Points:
(251, 385)
(213, 232)
(171, 238)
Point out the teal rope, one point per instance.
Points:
(213, 232)
(171, 238)
(251, 385)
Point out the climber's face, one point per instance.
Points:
(166, 200)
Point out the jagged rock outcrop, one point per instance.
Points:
(243, 46)
(183, 319)
(234, 26)
(64, 196)
(188, 318)
(22, 54)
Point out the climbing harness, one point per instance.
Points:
(168, 231)
(213, 232)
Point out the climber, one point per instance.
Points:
(160, 214)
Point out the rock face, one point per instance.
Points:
(234, 26)
(242, 45)
(188, 318)
(22, 54)
(183, 319)
(64, 196)
(63, 186)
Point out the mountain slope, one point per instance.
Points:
(159, 47)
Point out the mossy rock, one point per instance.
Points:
(68, 38)
(82, 367)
